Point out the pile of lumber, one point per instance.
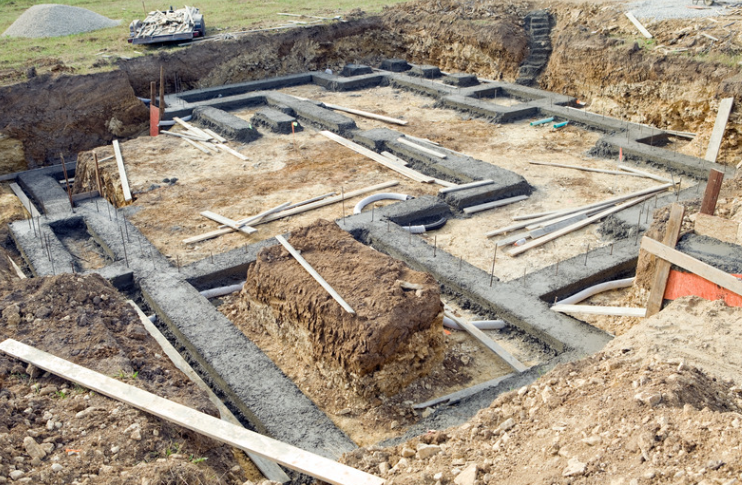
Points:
(204, 139)
(167, 23)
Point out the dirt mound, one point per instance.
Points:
(50, 20)
(622, 416)
(394, 337)
(69, 113)
(84, 435)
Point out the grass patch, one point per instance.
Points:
(86, 52)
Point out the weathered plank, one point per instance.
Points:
(722, 116)
(122, 171)
(662, 268)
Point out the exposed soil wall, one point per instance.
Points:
(395, 335)
(53, 115)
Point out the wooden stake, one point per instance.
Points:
(711, 195)
(315, 274)
(162, 92)
(97, 173)
(122, 171)
(67, 181)
(662, 268)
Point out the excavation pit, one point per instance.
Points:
(87, 253)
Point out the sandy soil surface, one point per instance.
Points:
(53, 431)
(657, 406)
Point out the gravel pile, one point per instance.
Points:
(673, 9)
(56, 21)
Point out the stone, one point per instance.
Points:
(16, 474)
(407, 453)
(574, 467)
(383, 468)
(136, 435)
(426, 451)
(649, 398)
(12, 315)
(592, 440)
(48, 447)
(468, 475)
(33, 449)
(115, 449)
(507, 425)
(57, 468)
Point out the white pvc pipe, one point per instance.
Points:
(414, 229)
(376, 197)
(588, 292)
(224, 290)
(172, 122)
(481, 324)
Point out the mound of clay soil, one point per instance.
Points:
(630, 415)
(52, 431)
(394, 337)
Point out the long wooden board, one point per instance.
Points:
(297, 210)
(317, 277)
(585, 169)
(229, 222)
(487, 342)
(290, 456)
(366, 114)
(457, 396)
(662, 268)
(377, 157)
(269, 468)
(421, 148)
(122, 171)
(25, 201)
(577, 225)
(638, 25)
(693, 265)
(491, 205)
(470, 185)
(722, 116)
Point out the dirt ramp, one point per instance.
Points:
(396, 333)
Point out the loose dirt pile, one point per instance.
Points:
(52, 431)
(639, 412)
(49, 20)
(396, 333)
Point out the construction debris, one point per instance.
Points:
(168, 26)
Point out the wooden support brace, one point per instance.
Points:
(285, 454)
(662, 268)
(693, 265)
(711, 194)
(720, 125)
(229, 222)
(298, 257)
(421, 148)
(122, 171)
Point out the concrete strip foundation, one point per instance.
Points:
(225, 124)
(231, 363)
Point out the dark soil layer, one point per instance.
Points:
(91, 437)
(396, 332)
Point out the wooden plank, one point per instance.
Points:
(122, 171)
(725, 230)
(25, 201)
(317, 277)
(662, 268)
(269, 468)
(693, 265)
(297, 210)
(183, 135)
(229, 222)
(491, 205)
(227, 229)
(577, 225)
(486, 341)
(366, 114)
(585, 169)
(507, 241)
(395, 158)
(192, 128)
(573, 215)
(412, 173)
(290, 456)
(638, 25)
(470, 185)
(556, 225)
(421, 148)
(215, 135)
(234, 152)
(17, 270)
(377, 157)
(457, 396)
(199, 147)
(722, 116)
(645, 174)
(252, 220)
(615, 311)
(711, 194)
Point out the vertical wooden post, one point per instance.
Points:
(662, 268)
(97, 175)
(67, 181)
(154, 112)
(710, 196)
(162, 92)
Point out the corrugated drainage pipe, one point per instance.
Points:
(376, 197)
(593, 290)
(427, 227)
(481, 324)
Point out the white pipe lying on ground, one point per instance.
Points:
(376, 197)
(588, 292)
(481, 324)
(415, 229)
(224, 290)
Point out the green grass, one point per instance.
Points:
(84, 52)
